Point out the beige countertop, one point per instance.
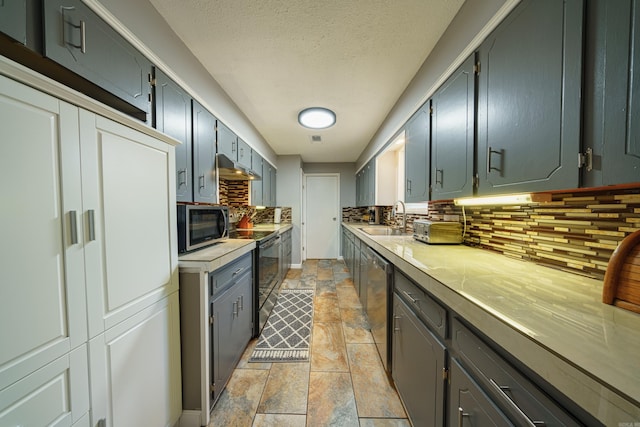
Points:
(552, 321)
(213, 257)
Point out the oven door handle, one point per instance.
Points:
(271, 242)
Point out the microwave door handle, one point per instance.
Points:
(225, 226)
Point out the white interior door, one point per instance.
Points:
(322, 214)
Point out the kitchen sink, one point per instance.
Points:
(383, 231)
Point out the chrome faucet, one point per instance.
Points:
(404, 214)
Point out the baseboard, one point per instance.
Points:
(190, 418)
(296, 266)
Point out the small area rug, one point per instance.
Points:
(287, 334)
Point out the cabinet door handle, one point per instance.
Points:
(235, 309)
(441, 172)
(493, 168)
(410, 296)
(201, 181)
(461, 415)
(396, 328)
(501, 389)
(91, 219)
(182, 182)
(83, 37)
(83, 30)
(73, 227)
(241, 299)
(235, 273)
(409, 186)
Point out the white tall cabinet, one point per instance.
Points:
(89, 322)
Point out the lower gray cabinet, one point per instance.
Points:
(519, 398)
(468, 404)
(232, 321)
(418, 362)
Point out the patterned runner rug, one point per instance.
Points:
(287, 334)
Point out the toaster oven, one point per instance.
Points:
(437, 232)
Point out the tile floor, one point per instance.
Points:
(343, 384)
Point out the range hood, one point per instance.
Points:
(228, 169)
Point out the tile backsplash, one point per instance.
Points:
(576, 232)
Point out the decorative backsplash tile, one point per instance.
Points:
(234, 192)
(260, 216)
(576, 232)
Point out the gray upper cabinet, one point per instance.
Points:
(612, 92)
(417, 156)
(529, 99)
(452, 134)
(370, 185)
(244, 154)
(204, 155)
(272, 177)
(366, 184)
(13, 19)
(172, 115)
(256, 185)
(79, 40)
(362, 193)
(227, 142)
(268, 184)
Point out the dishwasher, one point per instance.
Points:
(379, 286)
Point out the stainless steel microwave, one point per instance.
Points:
(201, 225)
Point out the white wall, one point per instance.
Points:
(139, 22)
(473, 22)
(289, 194)
(347, 173)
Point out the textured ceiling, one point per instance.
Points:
(277, 57)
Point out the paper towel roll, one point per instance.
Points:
(277, 214)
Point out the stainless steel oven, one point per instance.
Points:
(268, 253)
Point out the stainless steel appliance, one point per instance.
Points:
(378, 302)
(437, 232)
(374, 215)
(201, 225)
(267, 267)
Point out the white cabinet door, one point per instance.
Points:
(54, 395)
(128, 189)
(135, 369)
(42, 297)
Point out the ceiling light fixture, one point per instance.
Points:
(317, 118)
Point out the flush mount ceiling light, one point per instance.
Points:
(317, 118)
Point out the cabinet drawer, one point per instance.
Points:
(469, 405)
(518, 396)
(422, 304)
(226, 276)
